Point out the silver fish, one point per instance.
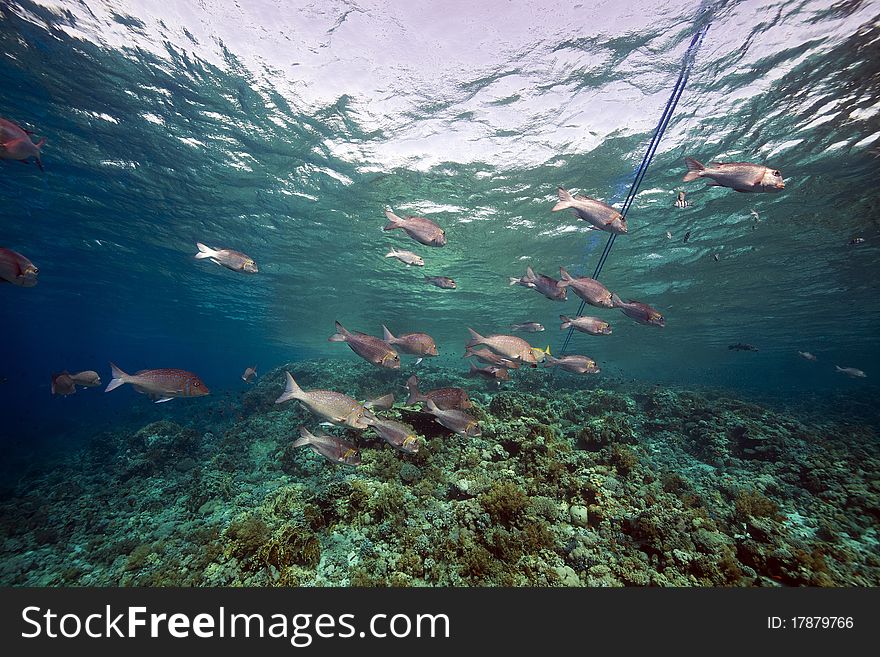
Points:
(441, 281)
(588, 289)
(397, 434)
(454, 420)
(333, 406)
(528, 327)
(370, 348)
(574, 363)
(806, 355)
(641, 312)
(591, 325)
(596, 213)
(851, 372)
(250, 374)
(444, 398)
(330, 447)
(424, 231)
(546, 285)
(415, 344)
(739, 176)
(406, 257)
(234, 260)
(509, 346)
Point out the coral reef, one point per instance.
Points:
(572, 483)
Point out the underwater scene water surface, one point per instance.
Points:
(735, 445)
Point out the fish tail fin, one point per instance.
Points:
(391, 253)
(291, 390)
(118, 378)
(204, 251)
(382, 403)
(838, 368)
(431, 406)
(387, 335)
(513, 280)
(695, 169)
(616, 302)
(412, 386)
(476, 338)
(566, 322)
(565, 199)
(341, 334)
(393, 221)
(38, 157)
(566, 278)
(306, 438)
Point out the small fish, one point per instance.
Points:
(250, 374)
(754, 213)
(445, 398)
(806, 355)
(63, 384)
(687, 236)
(415, 344)
(716, 257)
(86, 379)
(370, 348)
(641, 312)
(228, 258)
(851, 372)
(160, 385)
(454, 420)
(491, 358)
(668, 235)
(16, 269)
(16, 144)
(588, 289)
(680, 202)
(856, 240)
(406, 257)
(492, 372)
(528, 327)
(333, 406)
(742, 346)
(546, 285)
(509, 346)
(330, 447)
(591, 325)
(441, 282)
(574, 363)
(596, 213)
(540, 354)
(739, 176)
(424, 231)
(397, 434)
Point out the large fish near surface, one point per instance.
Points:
(370, 348)
(591, 325)
(492, 372)
(330, 447)
(406, 257)
(234, 260)
(851, 372)
(588, 289)
(574, 363)
(454, 420)
(544, 284)
(443, 282)
(599, 215)
(16, 269)
(509, 346)
(491, 358)
(424, 231)
(160, 385)
(332, 406)
(445, 398)
(16, 144)
(641, 312)
(397, 434)
(415, 344)
(739, 176)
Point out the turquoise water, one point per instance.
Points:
(286, 134)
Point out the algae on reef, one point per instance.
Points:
(584, 483)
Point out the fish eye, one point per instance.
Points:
(196, 384)
(36, 271)
(777, 174)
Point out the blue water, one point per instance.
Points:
(151, 149)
